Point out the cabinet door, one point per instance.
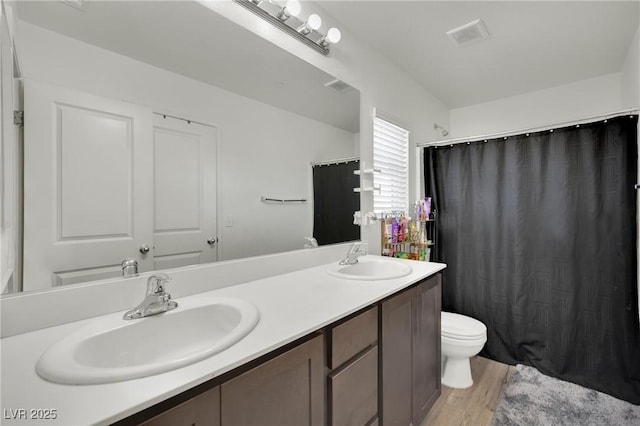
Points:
(353, 391)
(426, 348)
(396, 345)
(203, 410)
(287, 390)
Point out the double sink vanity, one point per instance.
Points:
(329, 344)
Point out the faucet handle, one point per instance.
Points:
(156, 283)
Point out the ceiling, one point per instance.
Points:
(532, 45)
(190, 39)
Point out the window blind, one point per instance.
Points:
(391, 157)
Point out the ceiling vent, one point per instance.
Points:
(338, 85)
(469, 33)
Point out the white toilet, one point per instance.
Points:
(462, 337)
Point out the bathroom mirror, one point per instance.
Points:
(193, 76)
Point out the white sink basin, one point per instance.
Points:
(111, 349)
(371, 268)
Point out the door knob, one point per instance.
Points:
(211, 241)
(144, 249)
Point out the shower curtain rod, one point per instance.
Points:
(336, 161)
(529, 129)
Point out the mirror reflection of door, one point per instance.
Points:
(184, 231)
(87, 185)
(10, 165)
(91, 194)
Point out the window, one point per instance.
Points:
(391, 157)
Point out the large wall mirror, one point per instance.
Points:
(161, 131)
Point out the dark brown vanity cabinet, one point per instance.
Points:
(353, 379)
(287, 390)
(203, 410)
(426, 347)
(410, 353)
(378, 366)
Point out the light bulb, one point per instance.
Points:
(333, 35)
(314, 21)
(293, 7)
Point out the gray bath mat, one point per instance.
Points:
(531, 398)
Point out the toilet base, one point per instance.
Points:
(456, 373)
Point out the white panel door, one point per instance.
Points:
(88, 189)
(185, 193)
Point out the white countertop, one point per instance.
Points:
(291, 306)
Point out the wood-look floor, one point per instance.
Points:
(473, 406)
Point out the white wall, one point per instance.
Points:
(382, 85)
(631, 75)
(540, 108)
(580, 99)
(260, 150)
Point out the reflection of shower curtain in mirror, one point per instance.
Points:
(334, 202)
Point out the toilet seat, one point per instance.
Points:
(464, 342)
(461, 327)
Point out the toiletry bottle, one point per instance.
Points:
(388, 229)
(413, 232)
(423, 234)
(427, 212)
(394, 231)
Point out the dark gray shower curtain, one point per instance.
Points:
(539, 234)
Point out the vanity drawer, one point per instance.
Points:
(352, 336)
(353, 391)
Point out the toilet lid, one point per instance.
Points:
(461, 326)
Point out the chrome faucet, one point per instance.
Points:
(355, 251)
(156, 301)
(129, 267)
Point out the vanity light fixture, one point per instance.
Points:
(312, 23)
(286, 16)
(333, 36)
(291, 8)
